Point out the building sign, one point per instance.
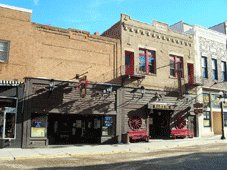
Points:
(108, 121)
(38, 125)
(38, 132)
(198, 108)
(161, 106)
(215, 102)
(206, 99)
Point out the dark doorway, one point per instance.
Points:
(192, 124)
(160, 126)
(73, 129)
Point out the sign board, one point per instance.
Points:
(198, 108)
(38, 132)
(161, 106)
(108, 121)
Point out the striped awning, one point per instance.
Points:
(10, 83)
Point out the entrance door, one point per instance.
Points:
(8, 123)
(73, 129)
(91, 129)
(161, 124)
(217, 122)
(192, 124)
(129, 63)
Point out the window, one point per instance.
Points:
(38, 125)
(108, 128)
(204, 67)
(206, 119)
(147, 61)
(214, 69)
(223, 71)
(176, 66)
(4, 50)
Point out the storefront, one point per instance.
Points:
(11, 93)
(156, 113)
(211, 118)
(171, 120)
(68, 114)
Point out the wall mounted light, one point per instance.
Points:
(108, 90)
(51, 85)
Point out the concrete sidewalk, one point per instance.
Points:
(78, 150)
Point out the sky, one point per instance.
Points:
(99, 15)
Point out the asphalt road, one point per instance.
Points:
(206, 157)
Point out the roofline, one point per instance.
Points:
(68, 30)
(16, 8)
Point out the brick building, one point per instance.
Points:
(157, 73)
(56, 77)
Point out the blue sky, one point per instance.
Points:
(98, 15)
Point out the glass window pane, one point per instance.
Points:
(3, 56)
(213, 64)
(10, 124)
(203, 62)
(108, 126)
(151, 64)
(206, 119)
(38, 125)
(127, 60)
(3, 46)
(142, 63)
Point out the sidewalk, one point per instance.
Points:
(78, 150)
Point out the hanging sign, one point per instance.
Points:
(161, 106)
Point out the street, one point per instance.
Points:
(212, 156)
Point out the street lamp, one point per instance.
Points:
(222, 97)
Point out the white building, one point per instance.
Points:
(211, 74)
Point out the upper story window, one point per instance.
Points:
(214, 69)
(4, 51)
(147, 61)
(176, 66)
(204, 67)
(223, 71)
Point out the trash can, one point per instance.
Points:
(125, 138)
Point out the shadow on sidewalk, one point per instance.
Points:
(202, 161)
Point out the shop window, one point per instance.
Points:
(7, 125)
(223, 71)
(38, 126)
(4, 51)
(147, 61)
(204, 67)
(108, 128)
(206, 119)
(214, 69)
(176, 66)
(225, 119)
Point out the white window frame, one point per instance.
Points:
(9, 110)
(5, 59)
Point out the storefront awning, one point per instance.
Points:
(10, 82)
(161, 106)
